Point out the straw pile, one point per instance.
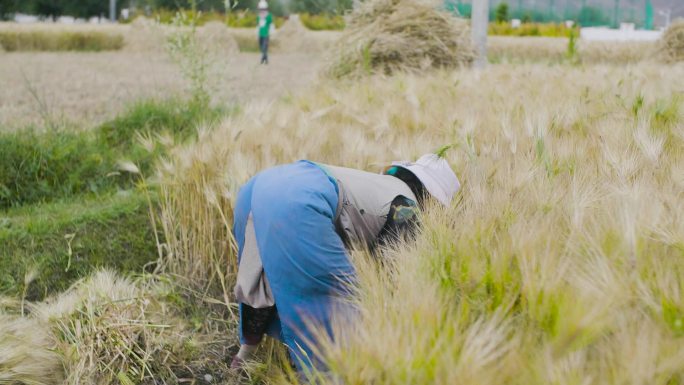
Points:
(214, 36)
(293, 36)
(144, 35)
(105, 329)
(672, 43)
(26, 353)
(388, 36)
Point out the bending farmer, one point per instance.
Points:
(294, 225)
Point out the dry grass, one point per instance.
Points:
(292, 37)
(65, 41)
(27, 353)
(516, 50)
(108, 329)
(672, 43)
(84, 89)
(561, 261)
(389, 36)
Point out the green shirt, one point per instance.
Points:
(264, 24)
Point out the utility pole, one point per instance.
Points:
(112, 10)
(667, 13)
(616, 23)
(479, 22)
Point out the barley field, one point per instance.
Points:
(560, 262)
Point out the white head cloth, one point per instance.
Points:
(436, 175)
(262, 4)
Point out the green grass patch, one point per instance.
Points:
(60, 41)
(43, 167)
(63, 241)
(66, 209)
(532, 29)
(176, 117)
(40, 167)
(322, 22)
(248, 19)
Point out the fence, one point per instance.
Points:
(588, 13)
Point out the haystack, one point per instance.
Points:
(144, 35)
(292, 36)
(27, 353)
(671, 44)
(99, 331)
(215, 37)
(388, 36)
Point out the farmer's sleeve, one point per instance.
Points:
(402, 221)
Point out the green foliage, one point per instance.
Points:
(149, 119)
(202, 5)
(338, 7)
(441, 152)
(75, 8)
(65, 241)
(174, 116)
(322, 22)
(60, 41)
(185, 49)
(41, 167)
(591, 16)
(572, 54)
(242, 19)
(673, 316)
(83, 224)
(532, 29)
(501, 13)
(248, 19)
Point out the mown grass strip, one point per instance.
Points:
(37, 40)
(61, 242)
(39, 167)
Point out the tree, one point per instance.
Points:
(501, 13)
(202, 5)
(321, 6)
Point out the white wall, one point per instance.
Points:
(607, 34)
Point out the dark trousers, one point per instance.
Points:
(263, 47)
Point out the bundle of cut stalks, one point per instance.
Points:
(144, 35)
(215, 36)
(105, 329)
(293, 36)
(26, 353)
(389, 36)
(672, 43)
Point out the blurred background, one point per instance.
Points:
(648, 14)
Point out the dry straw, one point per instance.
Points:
(216, 37)
(105, 329)
(26, 353)
(672, 42)
(560, 262)
(388, 36)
